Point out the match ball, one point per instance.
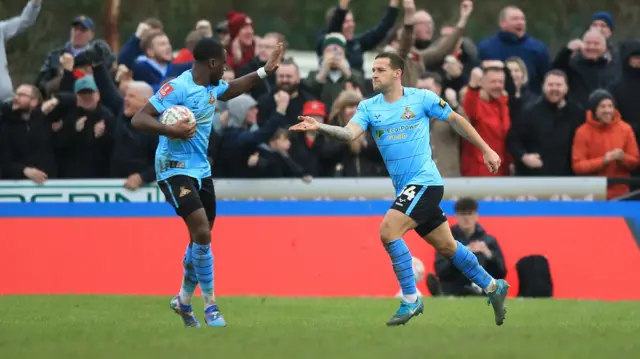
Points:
(176, 113)
(418, 269)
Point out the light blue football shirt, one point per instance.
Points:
(180, 157)
(401, 131)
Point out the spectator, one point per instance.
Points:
(626, 89)
(110, 95)
(242, 44)
(334, 73)
(264, 49)
(155, 67)
(132, 49)
(123, 77)
(133, 155)
(603, 22)
(242, 136)
(445, 141)
(422, 26)
(315, 152)
(72, 69)
(204, 26)
(496, 103)
(222, 32)
(590, 69)
(513, 40)
(82, 40)
(87, 132)
(185, 54)
(464, 57)
(8, 29)
(361, 157)
(470, 233)
(522, 94)
(273, 161)
(287, 82)
(221, 107)
(433, 56)
(541, 140)
(605, 145)
(29, 137)
(485, 103)
(422, 29)
(395, 36)
(340, 20)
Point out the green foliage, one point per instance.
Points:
(553, 21)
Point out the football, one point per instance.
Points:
(176, 113)
(418, 269)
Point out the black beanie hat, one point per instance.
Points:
(598, 96)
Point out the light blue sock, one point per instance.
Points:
(402, 265)
(189, 278)
(202, 260)
(467, 263)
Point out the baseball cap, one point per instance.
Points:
(85, 83)
(314, 108)
(83, 21)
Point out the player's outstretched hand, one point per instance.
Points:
(274, 61)
(306, 124)
(492, 160)
(182, 130)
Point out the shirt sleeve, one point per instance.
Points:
(435, 107)
(361, 117)
(170, 94)
(222, 87)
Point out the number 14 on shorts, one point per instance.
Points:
(407, 195)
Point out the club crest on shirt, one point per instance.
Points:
(212, 99)
(164, 91)
(408, 114)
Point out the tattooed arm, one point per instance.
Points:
(466, 130)
(347, 133)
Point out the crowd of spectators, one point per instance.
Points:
(575, 113)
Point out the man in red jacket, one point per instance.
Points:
(485, 104)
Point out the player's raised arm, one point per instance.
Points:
(354, 129)
(244, 84)
(347, 133)
(147, 118)
(466, 130)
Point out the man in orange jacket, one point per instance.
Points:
(605, 145)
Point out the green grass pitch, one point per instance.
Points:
(119, 327)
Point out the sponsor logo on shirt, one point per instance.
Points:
(443, 103)
(397, 137)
